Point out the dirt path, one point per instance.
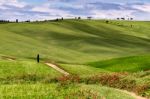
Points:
(66, 74)
(57, 68)
(132, 94)
(8, 58)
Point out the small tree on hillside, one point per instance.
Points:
(79, 18)
(57, 19)
(123, 18)
(107, 21)
(131, 18)
(118, 18)
(89, 18)
(27, 21)
(38, 58)
(16, 20)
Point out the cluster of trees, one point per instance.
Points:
(124, 18)
(22, 21)
(27, 21)
(4, 21)
(7, 21)
(78, 18)
(58, 19)
(118, 24)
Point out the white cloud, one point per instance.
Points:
(15, 3)
(41, 9)
(111, 13)
(12, 9)
(53, 12)
(145, 7)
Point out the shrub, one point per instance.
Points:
(142, 90)
(64, 80)
(110, 80)
(127, 84)
(84, 94)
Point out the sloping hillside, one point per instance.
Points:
(95, 54)
(75, 41)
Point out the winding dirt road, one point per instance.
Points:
(57, 68)
(133, 95)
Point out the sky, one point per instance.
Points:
(52, 9)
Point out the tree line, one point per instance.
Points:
(58, 19)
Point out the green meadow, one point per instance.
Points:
(75, 41)
(99, 56)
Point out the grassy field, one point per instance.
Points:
(127, 64)
(90, 50)
(75, 41)
(25, 72)
(54, 91)
(82, 70)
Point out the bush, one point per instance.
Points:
(142, 90)
(65, 80)
(110, 80)
(84, 94)
(127, 84)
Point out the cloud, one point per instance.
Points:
(144, 7)
(15, 3)
(113, 13)
(29, 9)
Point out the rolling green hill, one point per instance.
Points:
(88, 49)
(75, 41)
(128, 64)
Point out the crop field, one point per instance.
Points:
(102, 59)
